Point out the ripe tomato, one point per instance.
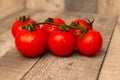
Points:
(80, 23)
(61, 43)
(31, 44)
(48, 28)
(17, 26)
(90, 43)
(76, 32)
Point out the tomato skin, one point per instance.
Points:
(61, 43)
(31, 44)
(49, 28)
(76, 32)
(58, 21)
(80, 23)
(16, 27)
(90, 44)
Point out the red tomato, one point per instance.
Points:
(80, 23)
(76, 32)
(16, 27)
(61, 43)
(58, 21)
(90, 43)
(48, 28)
(31, 44)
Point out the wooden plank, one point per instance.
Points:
(111, 66)
(6, 42)
(110, 7)
(12, 63)
(43, 15)
(13, 66)
(80, 5)
(74, 67)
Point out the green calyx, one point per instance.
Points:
(49, 20)
(24, 18)
(82, 28)
(75, 25)
(30, 27)
(64, 27)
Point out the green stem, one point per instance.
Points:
(48, 23)
(65, 27)
(91, 22)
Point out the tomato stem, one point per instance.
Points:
(65, 27)
(74, 25)
(90, 22)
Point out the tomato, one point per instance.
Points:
(80, 23)
(90, 44)
(76, 32)
(31, 44)
(61, 43)
(48, 28)
(58, 21)
(17, 26)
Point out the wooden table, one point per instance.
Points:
(104, 66)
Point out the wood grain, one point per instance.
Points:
(6, 42)
(9, 7)
(48, 5)
(74, 67)
(13, 66)
(108, 7)
(111, 66)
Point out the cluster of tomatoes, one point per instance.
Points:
(33, 38)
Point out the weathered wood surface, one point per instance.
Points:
(48, 66)
(111, 66)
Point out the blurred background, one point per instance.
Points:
(103, 7)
